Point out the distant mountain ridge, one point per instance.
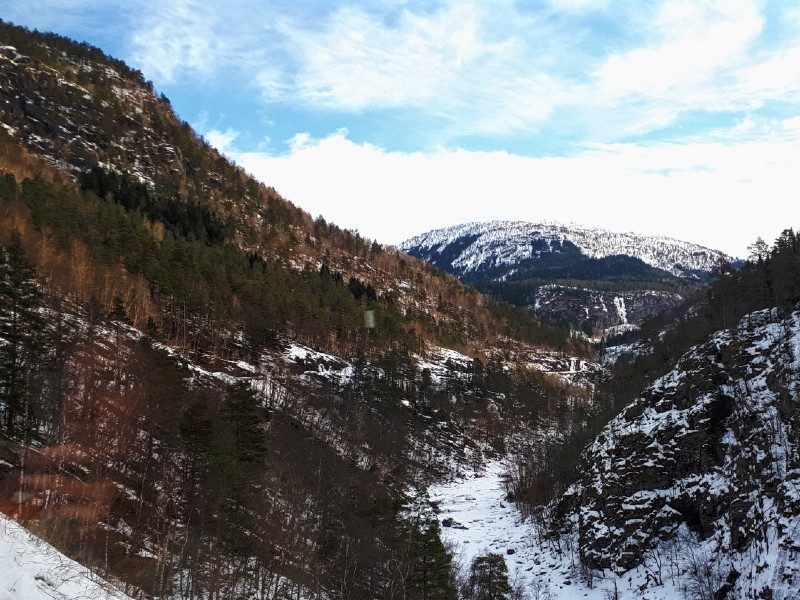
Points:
(586, 277)
(501, 247)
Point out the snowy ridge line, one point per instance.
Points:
(499, 243)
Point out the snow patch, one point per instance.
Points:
(31, 569)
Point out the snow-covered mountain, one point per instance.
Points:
(501, 247)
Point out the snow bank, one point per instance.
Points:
(31, 569)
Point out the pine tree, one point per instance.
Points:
(243, 415)
(488, 578)
(21, 330)
(429, 578)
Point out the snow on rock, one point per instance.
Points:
(31, 569)
(319, 364)
(604, 310)
(711, 447)
(611, 354)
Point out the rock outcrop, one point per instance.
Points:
(599, 309)
(709, 451)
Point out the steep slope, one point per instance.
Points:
(94, 119)
(708, 456)
(159, 470)
(77, 108)
(601, 310)
(692, 492)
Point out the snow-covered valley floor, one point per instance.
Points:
(484, 521)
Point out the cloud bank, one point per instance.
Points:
(573, 68)
(660, 188)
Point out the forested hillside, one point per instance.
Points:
(206, 393)
(100, 122)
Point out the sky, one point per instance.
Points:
(394, 117)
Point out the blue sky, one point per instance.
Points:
(393, 117)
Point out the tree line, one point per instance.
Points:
(196, 489)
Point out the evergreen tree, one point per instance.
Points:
(244, 416)
(430, 566)
(21, 329)
(488, 578)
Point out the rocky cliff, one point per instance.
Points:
(705, 462)
(602, 309)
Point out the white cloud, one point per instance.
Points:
(273, 83)
(176, 36)
(582, 70)
(485, 69)
(199, 42)
(667, 189)
(688, 62)
(497, 70)
(359, 61)
(776, 77)
(222, 140)
(579, 5)
(465, 64)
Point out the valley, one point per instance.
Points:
(208, 393)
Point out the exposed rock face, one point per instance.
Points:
(712, 447)
(72, 119)
(602, 309)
